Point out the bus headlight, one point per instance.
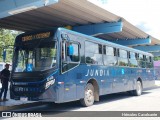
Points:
(50, 81)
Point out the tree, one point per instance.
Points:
(156, 58)
(7, 38)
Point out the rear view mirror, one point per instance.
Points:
(70, 50)
(65, 37)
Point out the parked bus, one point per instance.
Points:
(60, 65)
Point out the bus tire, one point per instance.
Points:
(88, 99)
(138, 90)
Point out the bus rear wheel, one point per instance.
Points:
(88, 99)
(138, 90)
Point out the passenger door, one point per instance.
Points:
(70, 59)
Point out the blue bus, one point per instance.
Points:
(60, 65)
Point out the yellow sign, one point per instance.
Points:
(36, 36)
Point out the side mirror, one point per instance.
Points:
(64, 37)
(70, 50)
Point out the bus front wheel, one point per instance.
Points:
(138, 90)
(88, 99)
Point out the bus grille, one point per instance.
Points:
(27, 91)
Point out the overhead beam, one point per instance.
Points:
(11, 7)
(151, 48)
(99, 28)
(133, 42)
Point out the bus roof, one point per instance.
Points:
(91, 38)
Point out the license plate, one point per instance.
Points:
(24, 98)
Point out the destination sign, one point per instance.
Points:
(36, 36)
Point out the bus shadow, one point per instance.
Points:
(117, 96)
(103, 99)
(53, 109)
(71, 108)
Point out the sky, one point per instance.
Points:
(144, 14)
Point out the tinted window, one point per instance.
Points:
(69, 60)
(93, 53)
(109, 56)
(75, 56)
(132, 60)
(140, 57)
(141, 61)
(149, 63)
(123, 54)
(110, 51)
(122, 59)
(91, 47)
(65, 55)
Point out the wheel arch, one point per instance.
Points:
(96, 88)
(139, 79)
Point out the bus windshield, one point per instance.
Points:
(39, 57)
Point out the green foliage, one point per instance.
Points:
(7, 38)
(156, 58)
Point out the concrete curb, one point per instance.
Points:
(20, 106)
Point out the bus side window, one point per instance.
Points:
(93, 53)
(70, 52)
(132, 59)
(122, 59)
(109, 56)
(141, 61)
(149, 62)
(75, 56)
(70, 55)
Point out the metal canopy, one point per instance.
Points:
(10, 7)
(73, 13)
